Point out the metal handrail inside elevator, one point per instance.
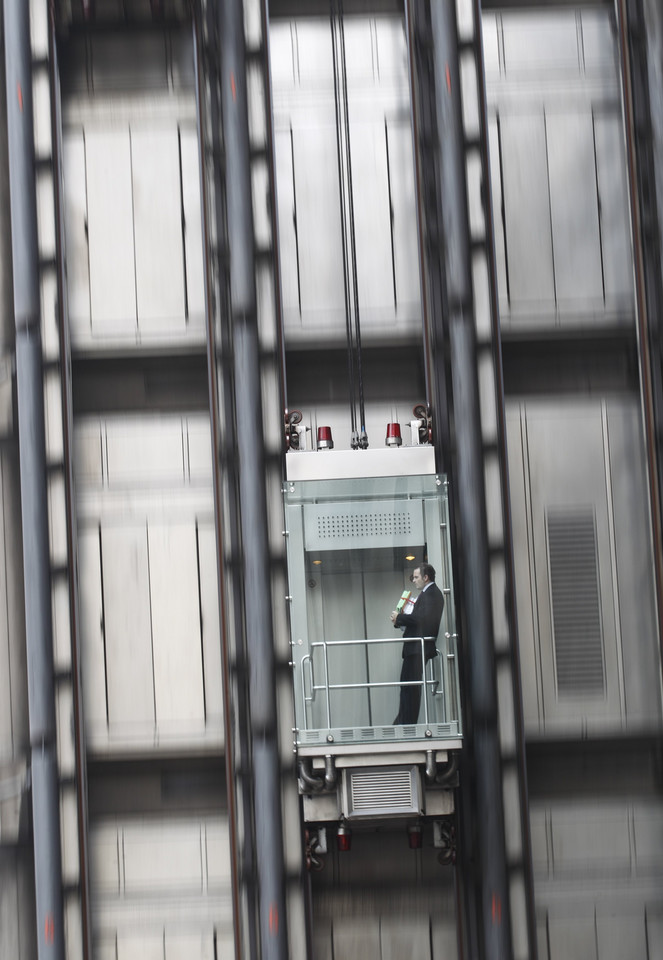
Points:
(326, 687)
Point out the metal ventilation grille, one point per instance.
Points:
(394, 789)
(363, 525)
(387, 791)
(576, 602)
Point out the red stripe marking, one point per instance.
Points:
(497, 909)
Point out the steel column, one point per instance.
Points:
(640, 44)
(252, 490)
(32, 458)
(653, 15)
(494, 909)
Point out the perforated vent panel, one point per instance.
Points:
(576, 602)
(361, 525)
(364, 525)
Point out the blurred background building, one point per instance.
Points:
(230, 229)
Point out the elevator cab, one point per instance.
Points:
(358, 524)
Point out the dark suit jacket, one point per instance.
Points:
(424, 621)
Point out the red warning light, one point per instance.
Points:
(393, 438)
(414, 836)
(325, 441)
(343, 838)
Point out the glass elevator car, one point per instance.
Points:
(352, 547)
(353, 544)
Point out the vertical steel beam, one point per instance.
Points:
(640, 45)
(32, 458)
(204, 29)
(494, 908)
(653, 265)
(653, 14)
(252, 491)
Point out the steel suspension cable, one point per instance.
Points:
(344, 240)
(363, 439)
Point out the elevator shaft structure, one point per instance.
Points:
(232, 602)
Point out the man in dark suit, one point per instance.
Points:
(423, 621)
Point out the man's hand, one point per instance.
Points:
(393, 615)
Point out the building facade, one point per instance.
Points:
(243, 243)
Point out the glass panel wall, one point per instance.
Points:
(360, 554)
